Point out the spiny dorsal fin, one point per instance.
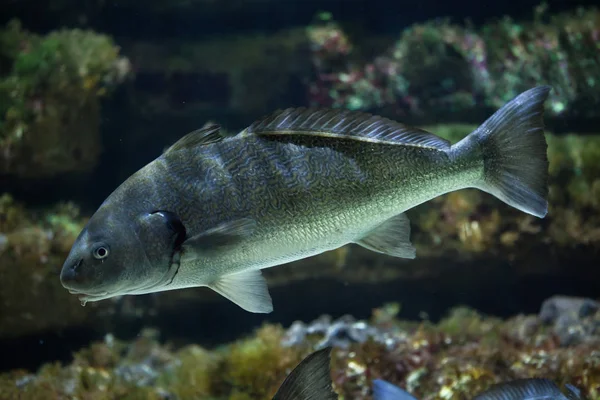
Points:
(310, 380)
(341, 123)
(206, 135)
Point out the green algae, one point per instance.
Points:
(50, 91)
(463, 354)
(440, 69)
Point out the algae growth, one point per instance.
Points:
(461, 355)
(50, 91)
(441, 68)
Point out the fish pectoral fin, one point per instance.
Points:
(222, 235)
(391, 237)
(310, 380)
(246, 289)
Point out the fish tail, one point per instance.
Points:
(513, 148)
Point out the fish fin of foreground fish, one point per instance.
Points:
(214, 239)
(573, 393)
(206, 135)
(310, 380)
(513, 147)
(344, 124)
(391, 238)
(246, 289)
(383, 390)
(526, 389)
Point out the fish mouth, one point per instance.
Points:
(90, 297)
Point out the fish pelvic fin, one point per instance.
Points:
(514, 151)
(310, 380)
(383, 390)
(526, 389)
(246, 289)
(391, 237)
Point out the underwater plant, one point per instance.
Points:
(50, 92)
(430, 360)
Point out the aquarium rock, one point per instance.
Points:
(336, 333)
(573, 319)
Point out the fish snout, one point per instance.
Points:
(70, 275)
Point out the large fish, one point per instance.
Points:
(213, 210)
(519, 389)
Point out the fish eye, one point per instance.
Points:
(101, 252)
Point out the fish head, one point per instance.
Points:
(118, 253)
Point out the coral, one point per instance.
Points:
(50, 91)
(444, 68)
(463, 354)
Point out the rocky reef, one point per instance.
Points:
(444, 69)
(50, 92)
(464, 353)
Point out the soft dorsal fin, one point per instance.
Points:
(341, 123)
(206, 135)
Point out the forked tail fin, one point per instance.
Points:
(513, 147)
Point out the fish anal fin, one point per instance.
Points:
(310, 380)
(246, 289)
(392, 237)
(346, 124)
(206, 135)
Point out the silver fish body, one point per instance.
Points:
(214, 211)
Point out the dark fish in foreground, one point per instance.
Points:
(310, 380)
(213, 211)
(520, 389)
